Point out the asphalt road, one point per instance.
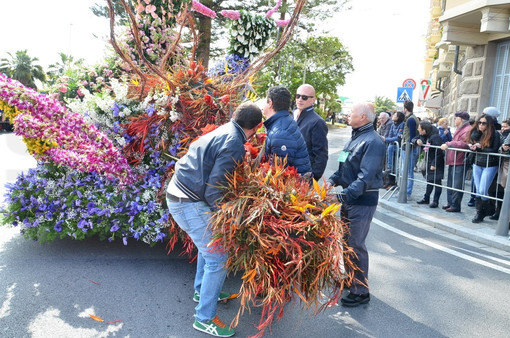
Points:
(423, 283)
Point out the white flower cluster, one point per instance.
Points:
(249, 34)
(98, 108)
(161, 102)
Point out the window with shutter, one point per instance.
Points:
(500, 93)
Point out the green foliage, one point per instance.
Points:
(70, 78)
(23, 68)
(384, 104)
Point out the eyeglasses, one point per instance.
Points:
(304, 97)
(483, 123)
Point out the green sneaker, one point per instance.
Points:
(223, 296)
(214, 327)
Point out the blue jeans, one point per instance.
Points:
(415, 151)
(193, 218)
(483, 177)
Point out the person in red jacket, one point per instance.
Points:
(455, 162)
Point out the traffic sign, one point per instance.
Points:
(425, 89)
(409, 83)
(404, 94)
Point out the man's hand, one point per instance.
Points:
(419, 142)
(444, 146)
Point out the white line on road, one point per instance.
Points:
(440, 247)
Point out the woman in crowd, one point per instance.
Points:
(483, 139)
(444, 130)
(395, 135)
(434, 157)
(503, 167)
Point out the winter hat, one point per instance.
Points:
(492, 112)
(463, 115)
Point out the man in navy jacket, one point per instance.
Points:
(360, 175)
(283, 136)
(314, 129)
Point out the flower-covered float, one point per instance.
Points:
(105, 156)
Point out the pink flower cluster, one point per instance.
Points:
(197, 6)
(231, 14)
(282, 23)
(80, 146)
(274, 9)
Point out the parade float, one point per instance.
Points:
(105, 155)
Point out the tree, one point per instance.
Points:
(211, 30)
(322, 62)
(61, 67)
(22, 67)
(384, 104)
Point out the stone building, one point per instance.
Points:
(468, 56)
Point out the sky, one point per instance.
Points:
(385, 38)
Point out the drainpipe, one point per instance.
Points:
(456, 61)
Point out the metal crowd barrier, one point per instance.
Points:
(400, 172)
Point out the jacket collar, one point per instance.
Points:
(240, 129)
(305, 112)
(362, 129)
(276, 116)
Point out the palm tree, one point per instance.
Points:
(62, 66)
(22, 67)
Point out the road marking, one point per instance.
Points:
(441, 248)
(499, 260)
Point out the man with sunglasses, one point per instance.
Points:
(314, 129)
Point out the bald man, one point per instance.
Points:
(314, 129)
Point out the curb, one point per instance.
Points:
(449, 224)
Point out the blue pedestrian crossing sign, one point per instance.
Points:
(404, 94)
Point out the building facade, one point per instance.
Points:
(468, 57)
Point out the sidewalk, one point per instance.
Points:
(458, 223)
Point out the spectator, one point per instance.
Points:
(503, 168)
(410, 132)
(482, 139)
(434, 157)
(456, 162)
(385, 124)
(395, 135)
(444, 130)
(284, 139)
(313, 128)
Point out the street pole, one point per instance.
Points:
(402, 194)
(504, 215)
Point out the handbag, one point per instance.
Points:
(421, 165)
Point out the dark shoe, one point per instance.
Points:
(433, 205)
(352, 299)
(445, 207)
(472, 202)
(452, 210)
(495, 216)
(479, 211)
(423, 201)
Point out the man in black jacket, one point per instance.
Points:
(360, 175)
(314, 129)
(193, 193)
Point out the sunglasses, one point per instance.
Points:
(304, 97)
(483, 123)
